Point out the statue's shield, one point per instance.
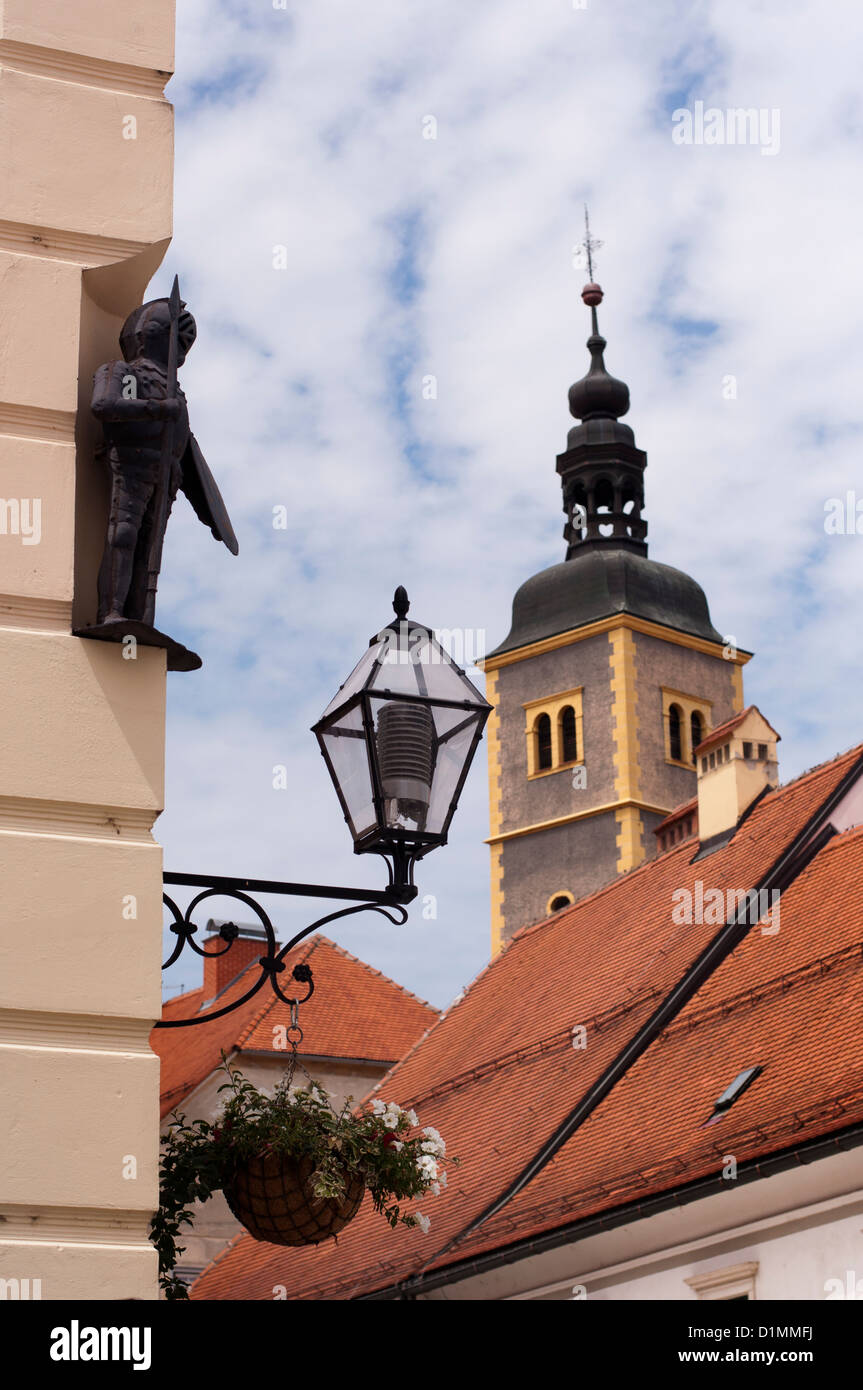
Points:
(200, 487)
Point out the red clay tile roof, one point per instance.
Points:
(356, 1012)
(684, 809)
(498, 1073)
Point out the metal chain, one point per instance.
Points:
(294, 1036)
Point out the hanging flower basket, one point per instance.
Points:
(274, 1198)
(294, 1171)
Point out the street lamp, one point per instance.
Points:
(398, 740)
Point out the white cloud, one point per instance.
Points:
(304, 129)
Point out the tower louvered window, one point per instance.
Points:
(543, 742)
(568, 735)
(696, 731)
(675, 740)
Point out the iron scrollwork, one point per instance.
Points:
(389, 902)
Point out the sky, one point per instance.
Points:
(376, 210)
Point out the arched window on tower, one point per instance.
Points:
(543, 742)
(675, 739)
(696, 730)
(568, 735)
(604, 505)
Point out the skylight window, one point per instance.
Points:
(733, 1092)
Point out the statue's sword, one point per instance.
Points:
(160, 518)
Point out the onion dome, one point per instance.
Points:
(606, 570)
(597, 395)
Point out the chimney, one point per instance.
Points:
(734, 764)
(219, 971)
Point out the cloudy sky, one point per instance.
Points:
(335, 256)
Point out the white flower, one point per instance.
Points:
(435, 1189)
(427, 1166)
(378, 1107)
(390, 1121)
(397, 1146)
(433, 1144)
(442, 1179)
(412, 1118)
(423, 1222)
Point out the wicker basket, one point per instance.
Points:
(273, 1198)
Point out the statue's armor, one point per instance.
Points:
(129, 399)
(133, 451)
(134, 447)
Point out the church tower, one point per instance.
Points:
(611, 675)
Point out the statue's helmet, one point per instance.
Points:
(145, 332)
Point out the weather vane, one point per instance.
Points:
(590, 244)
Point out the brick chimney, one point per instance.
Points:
(219, 971)
(734, 764)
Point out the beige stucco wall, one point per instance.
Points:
(86, 218)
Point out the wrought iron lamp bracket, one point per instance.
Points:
(389, 902)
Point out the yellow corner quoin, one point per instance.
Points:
(498, 922)
(737, 682)
(627, 778)
(630, 838)
(619, 620)
(495, 814)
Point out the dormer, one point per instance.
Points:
(735, 763)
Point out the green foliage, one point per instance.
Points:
(199, 1158)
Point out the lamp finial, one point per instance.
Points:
(401, 603)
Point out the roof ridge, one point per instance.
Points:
(842, 837)
(187, 994)
(320, 939)
(729, 1003)
(256, 1018)
(818, 767)
(305, 950)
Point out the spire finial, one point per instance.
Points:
(590, 244)
(592, 292)
(401, 603)
(598, 394)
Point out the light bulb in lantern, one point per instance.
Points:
(406, 754)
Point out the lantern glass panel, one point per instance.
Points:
(345, 745)
(410, 661)
(356, 681)
(452, 753)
